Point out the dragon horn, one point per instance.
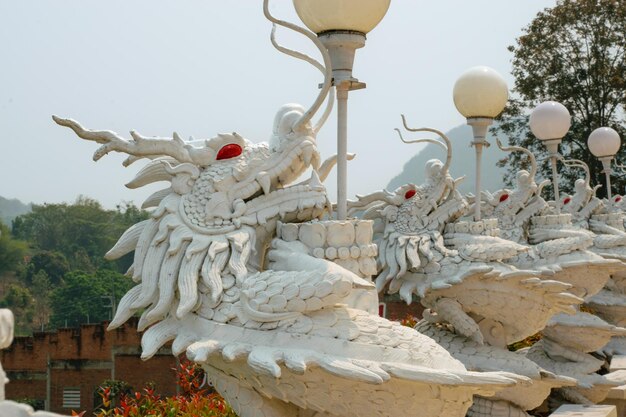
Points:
(579, 164)
(326, 86)
(447, 145)
(531, 157)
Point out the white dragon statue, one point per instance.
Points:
(584, 203)
(280, 330)
(455, 267)
(606, 220)
(559, 248)
(567, 252)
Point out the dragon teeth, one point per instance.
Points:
(265, 181)
(307, 155)
(315, 183)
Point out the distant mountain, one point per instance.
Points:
(463, 163)
(10, 209)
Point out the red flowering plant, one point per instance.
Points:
(409, 320)
(197, 399)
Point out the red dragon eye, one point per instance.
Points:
(229, 151)
(409, 194)
(618, 199)
(567, 200)
(504, 197)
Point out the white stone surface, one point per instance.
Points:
(575, 410)
(617, 397)
(618, 362)
(13, 409)
(582, 331)
(617, 393)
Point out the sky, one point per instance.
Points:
(201, 67)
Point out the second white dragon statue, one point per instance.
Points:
(456, 268)
(564, 249)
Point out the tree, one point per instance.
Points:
(573, 53)
(54, 264)
(84, 297)
(20, 300)
(82, 232)
(12, 251)
(41, 289)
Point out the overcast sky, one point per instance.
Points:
(199, 67)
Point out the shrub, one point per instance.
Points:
(197, 398)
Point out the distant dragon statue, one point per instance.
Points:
(559, 248)
(606, 220)
(456, 268)
(565, 250)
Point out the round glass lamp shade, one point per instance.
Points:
(604, 141)
(550, 120)
(357, 15)
(480, 92)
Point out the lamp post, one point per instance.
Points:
(604, 143)
(480, 95)
(549, 122)
(341, 26)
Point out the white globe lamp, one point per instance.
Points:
(550, 121)
(341, 26)
(604, 143)
(345, 15)
(480, 94)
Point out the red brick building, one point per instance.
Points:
(63, 369)
(396, 309)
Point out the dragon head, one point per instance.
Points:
(245, 178)
(210, 226)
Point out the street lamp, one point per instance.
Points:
(480, 95)
(604, 143)
(341, 26)
(549, 122)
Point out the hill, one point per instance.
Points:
(463, 162)
(10, 209)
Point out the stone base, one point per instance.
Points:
(13, 409)
(618, 363)
(617, 397)
(347, 243)
(574, 410)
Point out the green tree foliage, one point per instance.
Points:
(82, 232)
(84, 297)
(54, 264)
(20, 300)
(66, 277)
(12, 251)
(41, 288)
(573, 53)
